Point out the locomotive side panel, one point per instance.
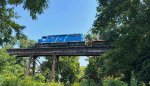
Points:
(66, 40)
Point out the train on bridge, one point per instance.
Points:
(68, 40)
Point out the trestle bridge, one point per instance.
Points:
(33, 53)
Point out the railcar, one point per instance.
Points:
(67, 40)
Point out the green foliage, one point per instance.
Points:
(5, 60)
(114, 83)
(68, 68)
(11, 80)
(126, 24)
(93, 70)
(39, 78)
(106, 82)
(34, 7)
(1, 80)
(8, 76)
(133, 81)
(88, 82)
(10, 31)
(26, 43)
(76, 84)
(81, 72)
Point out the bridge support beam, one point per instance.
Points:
(57, 70)
(52, 68)
(30, 66)
(55, 60)
(33, 65)
(28, 61)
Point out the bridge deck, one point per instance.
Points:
(76, 51)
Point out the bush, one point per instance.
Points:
(1, 80)
(39, 78)
(87, 82)
(10, 80)
(113, 82)
(76, 84)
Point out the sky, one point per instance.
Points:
(61, 17)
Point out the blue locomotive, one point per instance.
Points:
(66, 40)
(62, 38)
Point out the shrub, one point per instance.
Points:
(39, 78)
(113, 82)
(88, 82)
(10, 80)
(76, 84)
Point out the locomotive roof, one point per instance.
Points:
(64, 35)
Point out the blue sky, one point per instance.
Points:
(61, 17)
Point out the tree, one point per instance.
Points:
(94, 70)
(7, 65)
(34, 7)
(26, 43)
(9, 29)
(126, 24)
(5, 59)
(68, 68)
